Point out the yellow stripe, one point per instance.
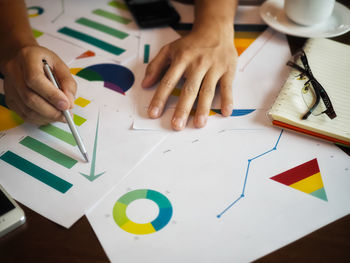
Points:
(243, 42)
(309, 184)
(138, 229)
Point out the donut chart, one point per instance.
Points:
(35, 11)
(163, 218)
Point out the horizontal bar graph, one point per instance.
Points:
(101, 27)
(48, 152)
(59, 134)
(36, 172)
(78, 120)
(91, 40)
(111, 16)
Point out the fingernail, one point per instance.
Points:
(145, 82)
(154, 111)
(201, 120)
(178, 123)
(62, 105)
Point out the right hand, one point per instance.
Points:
(30, 93)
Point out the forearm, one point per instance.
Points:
(214, 16)
(15, 30)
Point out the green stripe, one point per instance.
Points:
(118, 5)
(78, 120)
(37, 33)
(111, 16)
(48, 152)
(91, 40)
(100, 27)
(146, 54)
(59, 134)
(37, 172)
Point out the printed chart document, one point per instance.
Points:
(233, 196)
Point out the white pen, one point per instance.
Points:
(66, 113)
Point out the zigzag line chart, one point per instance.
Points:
(246, 177)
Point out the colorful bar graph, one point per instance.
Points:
(59, 134)
(36, 172)
(111, 16)
(146, 53)
(118, 5)
(81, 102)
(48, 152)
(78, 120)
(101, 27)
(91, 40)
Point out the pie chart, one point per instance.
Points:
(115, 77)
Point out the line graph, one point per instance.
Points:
(246, 176)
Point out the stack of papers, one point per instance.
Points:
(153, 191)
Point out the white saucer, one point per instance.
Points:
(337, 24)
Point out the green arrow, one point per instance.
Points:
(92, 175)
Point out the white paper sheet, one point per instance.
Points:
(227, 174)
(114, 150)
(261, 72)
(66, 15)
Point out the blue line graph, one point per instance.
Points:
(246, 176)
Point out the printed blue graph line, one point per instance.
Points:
(246, 176)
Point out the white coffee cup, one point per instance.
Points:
(308, 12)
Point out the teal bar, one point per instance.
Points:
(37, 172)
(111, 16)
(91, 40)
(48, 152)
(59, 134)
(146, 53)
(100, 27)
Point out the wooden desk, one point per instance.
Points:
(40, 240)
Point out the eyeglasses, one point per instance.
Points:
(312, 91)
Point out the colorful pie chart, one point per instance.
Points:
(163, 218)
(8, 118)
(115, 77)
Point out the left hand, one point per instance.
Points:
(205, 58)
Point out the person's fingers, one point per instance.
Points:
(156, 67)
(65, 79)
(36, 80)
(187, 97)
(21, 109)
(34, 102)
(205, 98)
(226, 92)
(166, 85)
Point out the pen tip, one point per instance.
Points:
(86, 157)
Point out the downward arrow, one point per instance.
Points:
(92, 176)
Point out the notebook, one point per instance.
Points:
(330, 64)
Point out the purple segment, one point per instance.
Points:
(114, 87)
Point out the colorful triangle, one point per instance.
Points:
(305, 177)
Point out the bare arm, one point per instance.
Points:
(27, 90)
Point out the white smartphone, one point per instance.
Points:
(11, 215)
